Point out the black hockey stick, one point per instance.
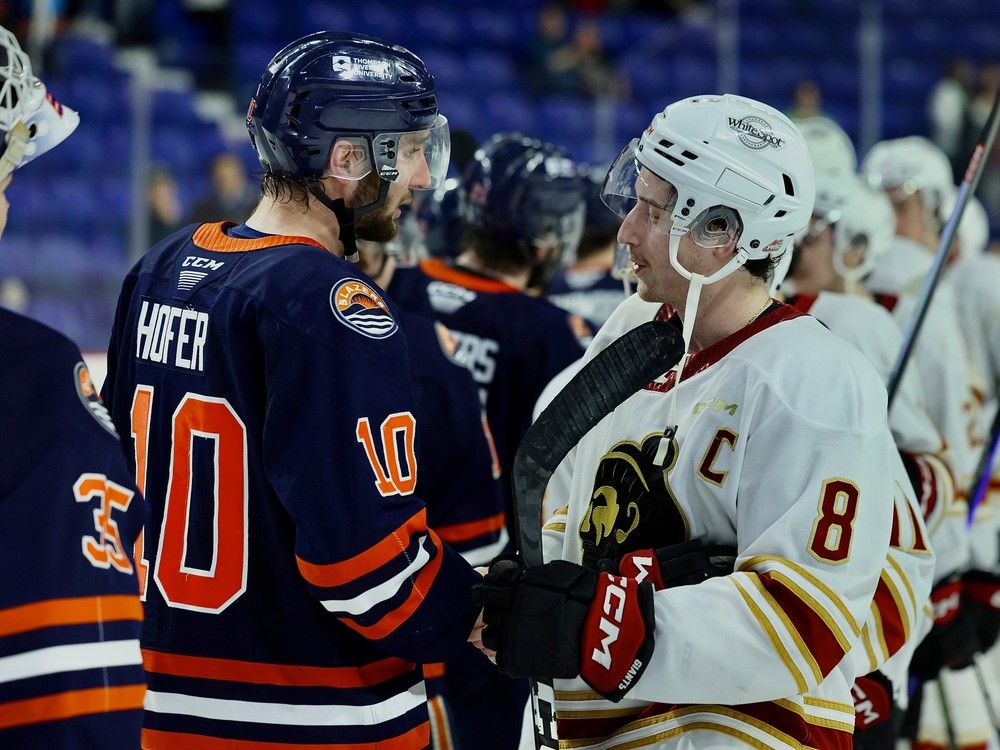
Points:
(632, 361)
(968, 187)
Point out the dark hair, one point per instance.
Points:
(284, 189)
(595, 241)
(496, 255)
(763, 268)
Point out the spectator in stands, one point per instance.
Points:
(545, 72)
(14, 294)
(232, 197)
(807, 100)
(164, 205)
(946, 106)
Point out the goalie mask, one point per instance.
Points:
(31, 119)
(722, 169)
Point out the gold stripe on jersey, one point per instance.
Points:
(562, 510)
(578, 695)
(793, 631)
(835, 599)
(610, 713)
(554, 526)
(877, 619)
(898, 600)
(847, 725)
(847, 708)
(906, 586)
(873, 661)
(694, 724)
(779, 646)
(810, 601)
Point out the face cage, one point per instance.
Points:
(418, 159)
(628, 179)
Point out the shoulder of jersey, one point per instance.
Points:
(862, 311)
(817, 374)
(632, 312)
(46, 368)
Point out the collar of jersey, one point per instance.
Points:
(224, 237)
(704, 359)
(802, 302)
(438, 269)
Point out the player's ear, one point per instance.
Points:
(349, 159)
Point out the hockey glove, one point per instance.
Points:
(875, 713)
(560, 620)
(952, 640)
(675, 565)
(981, 597)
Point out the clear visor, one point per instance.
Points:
(637, 194)
(418, 159)
(561, 233)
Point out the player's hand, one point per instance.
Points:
(546, 622)
(4, 203)
(476, 639)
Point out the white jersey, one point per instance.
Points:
(870, 328)
(782, 450)
(940, 353)
(977, 291)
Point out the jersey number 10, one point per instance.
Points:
(214, 588)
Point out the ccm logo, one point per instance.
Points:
(613, 607)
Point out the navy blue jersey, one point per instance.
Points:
(587, 290)
(461, 470)
(292, 580)
(70, 667)
(512, 343)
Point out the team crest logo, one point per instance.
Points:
(632, 505)
(361, 308)
(90, 398)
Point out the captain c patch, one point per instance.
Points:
(361, 308)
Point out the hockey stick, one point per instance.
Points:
(629, 363)
(984, 471)
(968, 187)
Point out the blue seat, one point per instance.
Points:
(447, 68)
(492, 69)
(693, 75)
(508, 111)
(436, 25)
(460, 110)
(489, 26)
(561, 119)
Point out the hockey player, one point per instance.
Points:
(523, 205)
(852, 226)
(830, 148)
(291, 580)
(587, 286)
(70, 666)
(747, 444)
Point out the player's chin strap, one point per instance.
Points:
(696, 282)
(347, 216)
(15, 144)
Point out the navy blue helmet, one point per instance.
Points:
(440, 221)
(524, 192)
(331, 85)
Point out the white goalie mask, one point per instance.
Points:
(829, 146)
(31, 120)
(861, 217)
(906, 166)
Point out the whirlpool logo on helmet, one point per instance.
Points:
(755, 132)
(361, 308)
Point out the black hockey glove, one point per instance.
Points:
(952, 640)
(981, 597)
(675, 565)
(560, 620)
(876, 716)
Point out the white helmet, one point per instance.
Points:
(904, 166)
(859, 214)
(739, 170)
(973, 229)
(31, 120)
(829, 146)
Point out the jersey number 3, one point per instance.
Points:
(202, 589)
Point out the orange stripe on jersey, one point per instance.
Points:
(152, 739)
(259, 673)
(213, 237)
(72, 611)
(433, 671)
(460, 532)
(425, 579)
(817, 635)
(70, 704)
(339, 573)
(438, 269)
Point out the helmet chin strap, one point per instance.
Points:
(696, 282)
(347, 216)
